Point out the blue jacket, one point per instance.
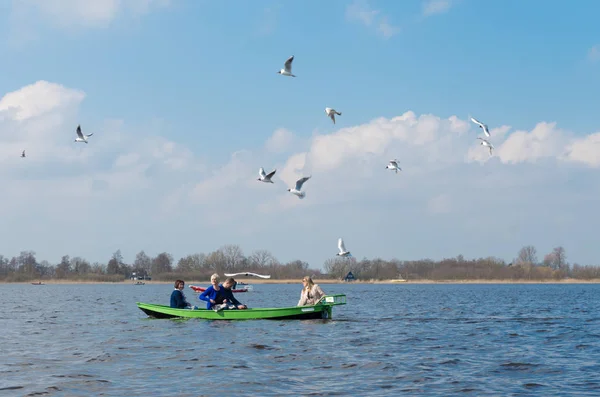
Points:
(211, 293)
(178, 300)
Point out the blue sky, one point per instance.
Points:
(185, 105)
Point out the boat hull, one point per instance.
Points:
(319, 311)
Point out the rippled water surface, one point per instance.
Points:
(92, 340)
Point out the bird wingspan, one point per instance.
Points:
(301, 181)
(261, 172)
(79, 132)
(288, 64)
(270, 174)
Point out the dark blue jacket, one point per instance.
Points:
(228, 294)
(178, 300)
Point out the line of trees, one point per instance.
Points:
(230, 258)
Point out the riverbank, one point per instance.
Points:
(327, 281)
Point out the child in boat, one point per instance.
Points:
(213, 295)
(178, 300)
(311, 293)
(229, 301)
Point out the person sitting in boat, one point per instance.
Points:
(178, 300)
(213, 295)
(311, 293)
(229, 301)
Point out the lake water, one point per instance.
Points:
(389, 340)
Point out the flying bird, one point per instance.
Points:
(393, 165)
(331, 113)
(23, 154)
(287, 70)
(247, 274)
(342, 249)
(486, 131)
(486, 143)
(81, 137)
(297, 190)
(265, 177)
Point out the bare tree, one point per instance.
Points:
(142, 265)
(261, 259)
(162, 263)
(64, 267)
(80, 266)
(557, 259)
(527, 256)
(234, 257)
(336, 267)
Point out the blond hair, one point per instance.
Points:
(215, 277)
(309, 283)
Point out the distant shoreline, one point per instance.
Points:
(325, 281)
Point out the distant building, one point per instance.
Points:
(349, 277)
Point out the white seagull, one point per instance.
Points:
(265, 177)
(342, 248)
(331, 113)
(486, 143)
(246, 274)
(23, 154)
(297, 190)
(393, 165)
(287, 70)
(486, 131)
(81, 137)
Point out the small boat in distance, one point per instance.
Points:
(139, 283)
(37, 283)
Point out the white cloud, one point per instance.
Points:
(433, 7)
(594, 53)
(281, 141)
(360, 11)
(133, 190)
(28, 16)
(96, 14)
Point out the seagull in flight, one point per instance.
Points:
(81, 137)
(23, 154)
(484, 127)
(331, 113)
(486, 143)
(342, 249)
(297, 190)
(247, 274)
(287, 70)
(265, 177)
(393, 165)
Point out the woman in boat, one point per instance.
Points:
(214, 294)
(311, 293)
(229, 301)
(178, 300)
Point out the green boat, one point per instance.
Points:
(320, 310)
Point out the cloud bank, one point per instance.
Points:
(133, 191)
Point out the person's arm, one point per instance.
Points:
(318, 292)
(302, 300)
(205, 296)
(233, 300)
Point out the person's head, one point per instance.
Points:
(228, 283)
(307, 282)
(179, 284)
(214, 279)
